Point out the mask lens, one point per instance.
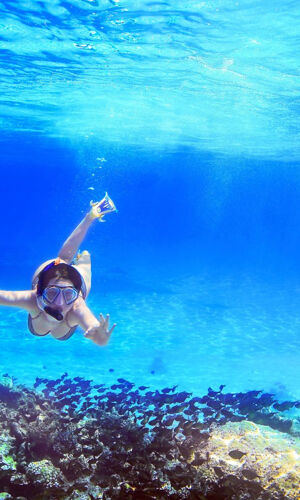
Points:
(70, 294)
(50, 293)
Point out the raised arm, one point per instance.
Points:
(23, 299)
(73, 242)
(96, 330)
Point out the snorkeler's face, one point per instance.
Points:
(60, 294)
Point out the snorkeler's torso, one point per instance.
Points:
(43, 323)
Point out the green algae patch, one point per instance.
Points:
(7, 461)
(46, 476)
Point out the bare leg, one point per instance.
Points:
(73, 242)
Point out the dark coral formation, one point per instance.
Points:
(71, 439)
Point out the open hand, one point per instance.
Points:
(100, 334)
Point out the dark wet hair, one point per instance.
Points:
(62, 270)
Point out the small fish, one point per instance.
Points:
(228, 399)
(216, 405)
(39, 381)
(77, 397)
(188, 425)
(169, 421)
(154, 421)
(253, 393)
(149, 394)
(173, 410)
(286, 405)
(226, 413)
(266, 399)
(182, 396)
(198, 460)
(211, 392)
(237, 454)
(198, 426)
(207, 411)
(192, 411)
(249, 474)
(51, 383)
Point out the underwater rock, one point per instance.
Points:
(79, 495)
(7, 459)
(19, 479)
(248, 458)
(295, 428)
(46, 477)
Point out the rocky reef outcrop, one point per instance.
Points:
(248, 460)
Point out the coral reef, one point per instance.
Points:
(247, 458)
(69, 439)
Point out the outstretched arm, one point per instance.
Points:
(96, 330)
(23, 299)
(73, 242)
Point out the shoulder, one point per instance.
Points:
(31, 303)
(77, 310)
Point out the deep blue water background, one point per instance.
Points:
(200, 266)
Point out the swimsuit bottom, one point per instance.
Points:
(65, 337)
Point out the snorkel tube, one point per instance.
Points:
(54, 313)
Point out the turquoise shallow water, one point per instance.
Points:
(199, 331)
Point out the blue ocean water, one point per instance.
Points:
(189, 118)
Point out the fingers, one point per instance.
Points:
(112, 329)
(100, 334)
(104, 321)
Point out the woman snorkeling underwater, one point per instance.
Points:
(56, 303)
